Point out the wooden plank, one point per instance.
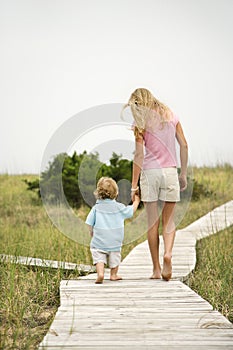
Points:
(138, 347)
(30, 261)
(124, 340)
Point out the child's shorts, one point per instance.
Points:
(160, 184)
(113, 258)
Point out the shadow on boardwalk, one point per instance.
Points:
(139, 313)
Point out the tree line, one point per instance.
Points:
(79, 173)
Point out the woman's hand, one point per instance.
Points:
(183, 182)
(134, 192)
(137, 199)
(132, 196)
(136, 202)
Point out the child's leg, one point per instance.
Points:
(113, 274)
(114, 262)
(99, 259)
(100, 272)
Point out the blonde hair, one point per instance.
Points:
(106, 188)
(145, 106)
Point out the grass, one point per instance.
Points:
(214, 263)
(29, 297)
(219, 182)
(25, 228)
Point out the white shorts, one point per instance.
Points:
(113, 258)
(160, 184)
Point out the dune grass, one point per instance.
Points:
(29, 299)
(29, 296)
(213, 276)
(25, 228)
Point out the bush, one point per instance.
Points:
(77, 174)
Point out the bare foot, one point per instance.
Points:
(115, 278)
(99, 279)
(156, 275)
(167, 267)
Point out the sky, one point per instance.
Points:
(60, 58)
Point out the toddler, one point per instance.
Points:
(106, 224)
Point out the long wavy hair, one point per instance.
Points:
(147, 110)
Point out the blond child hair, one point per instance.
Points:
(106, 188)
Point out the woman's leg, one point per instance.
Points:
(169, 232)
(153, 236)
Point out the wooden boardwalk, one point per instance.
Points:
(138, 313)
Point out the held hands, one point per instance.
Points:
(137, 198)
(183, 182)
(135, 194)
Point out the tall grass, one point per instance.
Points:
(26, 230)
(28, 302)
(213, 276)
(29, 296)
(219, 182)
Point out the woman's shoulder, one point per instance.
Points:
(174, 118)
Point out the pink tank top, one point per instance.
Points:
(160, 146)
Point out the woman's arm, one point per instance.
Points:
(183, 156)
(137, 163)
(136, 202)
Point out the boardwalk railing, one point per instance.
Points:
(53, 264)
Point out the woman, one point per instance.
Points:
(156, 128)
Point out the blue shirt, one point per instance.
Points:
(107, 219)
